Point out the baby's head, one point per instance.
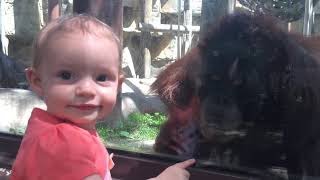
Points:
(76, 69)
(82, 24)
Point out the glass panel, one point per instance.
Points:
(238, 123)
(245, 98)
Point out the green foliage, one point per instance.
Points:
(18, 130)
(287, 10)
(137, 127)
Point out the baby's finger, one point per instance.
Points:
(186, 163)
(110, 161)
(186, 174)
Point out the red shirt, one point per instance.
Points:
(54, 149)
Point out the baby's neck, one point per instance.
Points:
(91, 127)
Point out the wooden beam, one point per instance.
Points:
(146, 37)
(167, 28)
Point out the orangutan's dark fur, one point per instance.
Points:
(258, 93)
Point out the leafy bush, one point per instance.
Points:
(137, 127)
(18, 130)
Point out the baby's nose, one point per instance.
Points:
(85, 88)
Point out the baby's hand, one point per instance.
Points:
(177, 171)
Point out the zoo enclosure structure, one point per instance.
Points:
(187, 16)
(113, 9)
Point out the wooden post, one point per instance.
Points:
(212, 10)
(80, 6)
(188, 24)
(114, 15)
(4, 40)
(146, 37)
(178, 32)
(308, 17)
(108, 11)
(53, 10)
(231, 6)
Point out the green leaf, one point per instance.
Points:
(125, 134)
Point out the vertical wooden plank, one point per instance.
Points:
(212, 11)
(80, 6)
(146, 37)
(178, 32)
(188, 24)
(53, 10)
(108, 11)
(308, 18)
(231, 6)
(114, 15)
(4, 40)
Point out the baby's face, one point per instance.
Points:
(79, 78)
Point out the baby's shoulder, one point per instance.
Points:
(64, 139)
(69, 134)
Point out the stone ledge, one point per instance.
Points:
(17, 104)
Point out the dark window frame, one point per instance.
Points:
(132, 165)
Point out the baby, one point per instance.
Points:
(76, 71)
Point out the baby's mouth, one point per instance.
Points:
(85, 107)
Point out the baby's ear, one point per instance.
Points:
(34, 81)
(120, 81)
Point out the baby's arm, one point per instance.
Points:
(177, 171)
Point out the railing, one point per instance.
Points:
(134, 165)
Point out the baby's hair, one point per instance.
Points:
(82, 23)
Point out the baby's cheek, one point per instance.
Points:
(105, 112)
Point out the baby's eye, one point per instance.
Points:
(65, 75)
(102, 78)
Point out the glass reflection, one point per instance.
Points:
(230, 96)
